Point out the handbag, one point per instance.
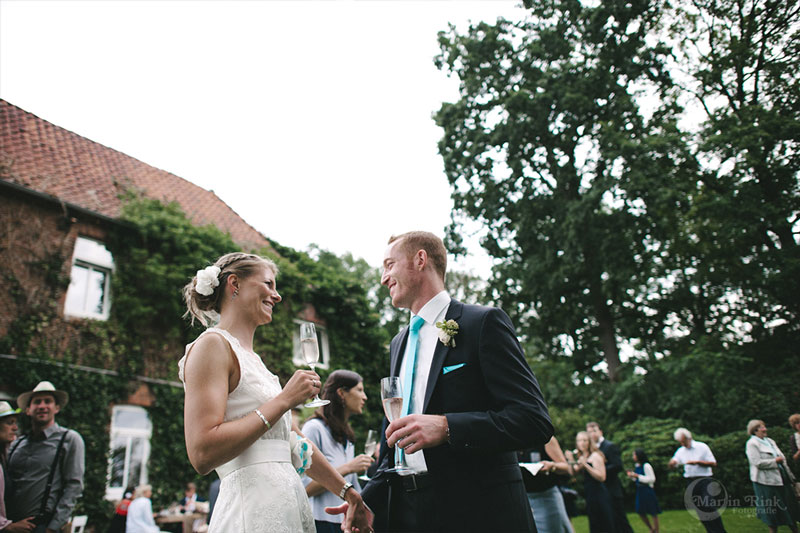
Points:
(788, 480)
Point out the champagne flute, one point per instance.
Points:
(310, 350)
(369, 449)
(371, 443)
(392, 399)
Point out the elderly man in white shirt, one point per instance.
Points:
(697, 461)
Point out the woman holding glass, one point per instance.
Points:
(592, 462)
(329, 429)
(237, 416)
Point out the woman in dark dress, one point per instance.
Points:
(646, 501)
(592, 463)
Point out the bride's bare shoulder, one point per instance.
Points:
(206, 352)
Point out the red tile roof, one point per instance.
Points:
(52, 160)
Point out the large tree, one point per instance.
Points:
(740, 72)
(635, 166)
(549, 149)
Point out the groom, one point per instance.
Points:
(474, 402)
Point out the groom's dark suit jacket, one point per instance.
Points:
(494, 408)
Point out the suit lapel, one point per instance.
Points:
(397, 351)
(439, 353)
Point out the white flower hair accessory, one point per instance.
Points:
(207, 280)
(447, 332)
(301, 452)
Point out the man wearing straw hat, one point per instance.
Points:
(8, 433)
(46, 465)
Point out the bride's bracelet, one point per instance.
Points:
(263, 419)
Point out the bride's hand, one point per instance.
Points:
(301, 386)
(358, 517)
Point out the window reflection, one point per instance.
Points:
(90, 277)
(130, 449)
(79, 280)
(96, 291)
(118, 452)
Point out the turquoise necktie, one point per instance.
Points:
(411, 350)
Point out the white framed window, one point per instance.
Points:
(88, 294)
(130, 449)
(322, 341)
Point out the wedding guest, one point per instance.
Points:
(776, 504)
(8, 433)
(46, 465)
(591, 461)
(120, 517)
(237, 417)
(471, 401)
(613, 469)
(140, 512)
(547, 503)
(189, 501)
(329, 429)
(645, 478)
(794, 439)
(698, 461)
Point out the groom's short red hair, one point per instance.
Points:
(424, 240)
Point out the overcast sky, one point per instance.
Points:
(311, 119)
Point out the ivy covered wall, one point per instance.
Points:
(156, 251)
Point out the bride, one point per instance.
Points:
(237, 418)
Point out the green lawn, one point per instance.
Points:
(736, 520)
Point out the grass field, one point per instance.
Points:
(736, 520)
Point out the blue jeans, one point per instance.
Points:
(549, 512)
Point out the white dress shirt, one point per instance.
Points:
(698, 451)
(432, 312)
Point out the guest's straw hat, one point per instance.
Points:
(44, 386)
(6, 410)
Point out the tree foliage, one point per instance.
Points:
(635, 167)
(541, 148)
(741, 62)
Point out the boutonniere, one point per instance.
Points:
(447, 331)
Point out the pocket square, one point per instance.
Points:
(447, 369)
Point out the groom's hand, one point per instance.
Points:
(417, 432)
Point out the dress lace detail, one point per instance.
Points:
(261, 497)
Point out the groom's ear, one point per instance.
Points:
(420, 259)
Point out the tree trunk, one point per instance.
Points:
(608, 338)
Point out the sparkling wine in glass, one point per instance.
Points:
(372, 442)
(310, 350)
(392, 399)
(370, 446)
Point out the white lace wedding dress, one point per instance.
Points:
(260, 490)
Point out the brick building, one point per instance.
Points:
(60, 194)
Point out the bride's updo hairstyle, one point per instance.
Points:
(204, 296)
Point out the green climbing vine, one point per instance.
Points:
(156, 251)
